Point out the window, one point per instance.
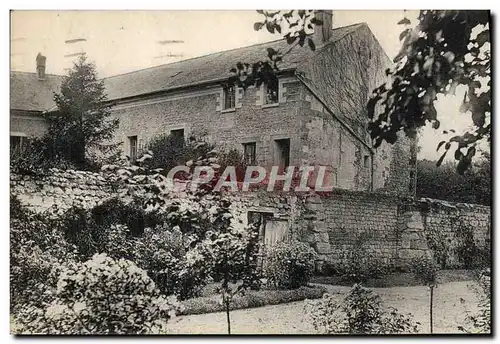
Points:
(16, 143)
(229, 97)
(282, 152)
(132, 141)
(366, 161)
(249, 153)
(271, 92)
(177, 134)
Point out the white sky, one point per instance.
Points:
(124, 41)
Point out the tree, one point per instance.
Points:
(82, 121)
(445, 50)
(474, 186)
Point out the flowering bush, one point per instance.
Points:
(289, 265)
(164, 254)
(37, 251)
(360, 312)
(101, 296)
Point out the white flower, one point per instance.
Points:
(55, 310)
(79, 306)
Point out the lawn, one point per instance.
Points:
(290, 319)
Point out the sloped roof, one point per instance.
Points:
(207, 68)
(30, 94)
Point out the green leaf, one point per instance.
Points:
(403, 34)
(257, 26)
(471, 152)
(440, 161)
(463, 164)
(316, 21)
(270, 27)
(440, 144)
(478, 118)
(404, 21)
(483, 37)
(290, 39)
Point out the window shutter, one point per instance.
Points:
(259, 92)
(218, 101)
(126, 147)
(239, 97)
(281, 92)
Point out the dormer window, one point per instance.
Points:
(229, 97)
(271, 92)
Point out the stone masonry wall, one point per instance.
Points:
(393, 230)
(61, 188)
(199, 113)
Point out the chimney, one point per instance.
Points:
(40, 66)
(323, 32)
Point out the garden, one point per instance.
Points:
(151, 262)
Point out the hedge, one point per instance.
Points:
(252, 299)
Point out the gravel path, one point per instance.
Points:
(290, 319)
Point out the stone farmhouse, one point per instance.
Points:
(315, 114)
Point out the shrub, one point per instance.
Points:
(164, 254)
(107, 228)
(358, 264)
(480, 321)
(289, 265)
(251, 299)
(133, 215)
(169, 151)
(101, 296)
(17, 209)
(233, 158)
(37, 250)
(425, 270)
(360, 312)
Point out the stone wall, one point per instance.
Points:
(198, 111)
(393, 230)
(61, 188)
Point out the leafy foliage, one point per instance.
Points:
(360, 312)
(106, 228)
(474, 186)
(294, 25)
(166, 257)
(169, 151)
(443, 52)
(289, 265)
(358, 264)
(101, 296)
(425, 270)
(33, 158)
(480, 321)
(251, 299)
(37, 251)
